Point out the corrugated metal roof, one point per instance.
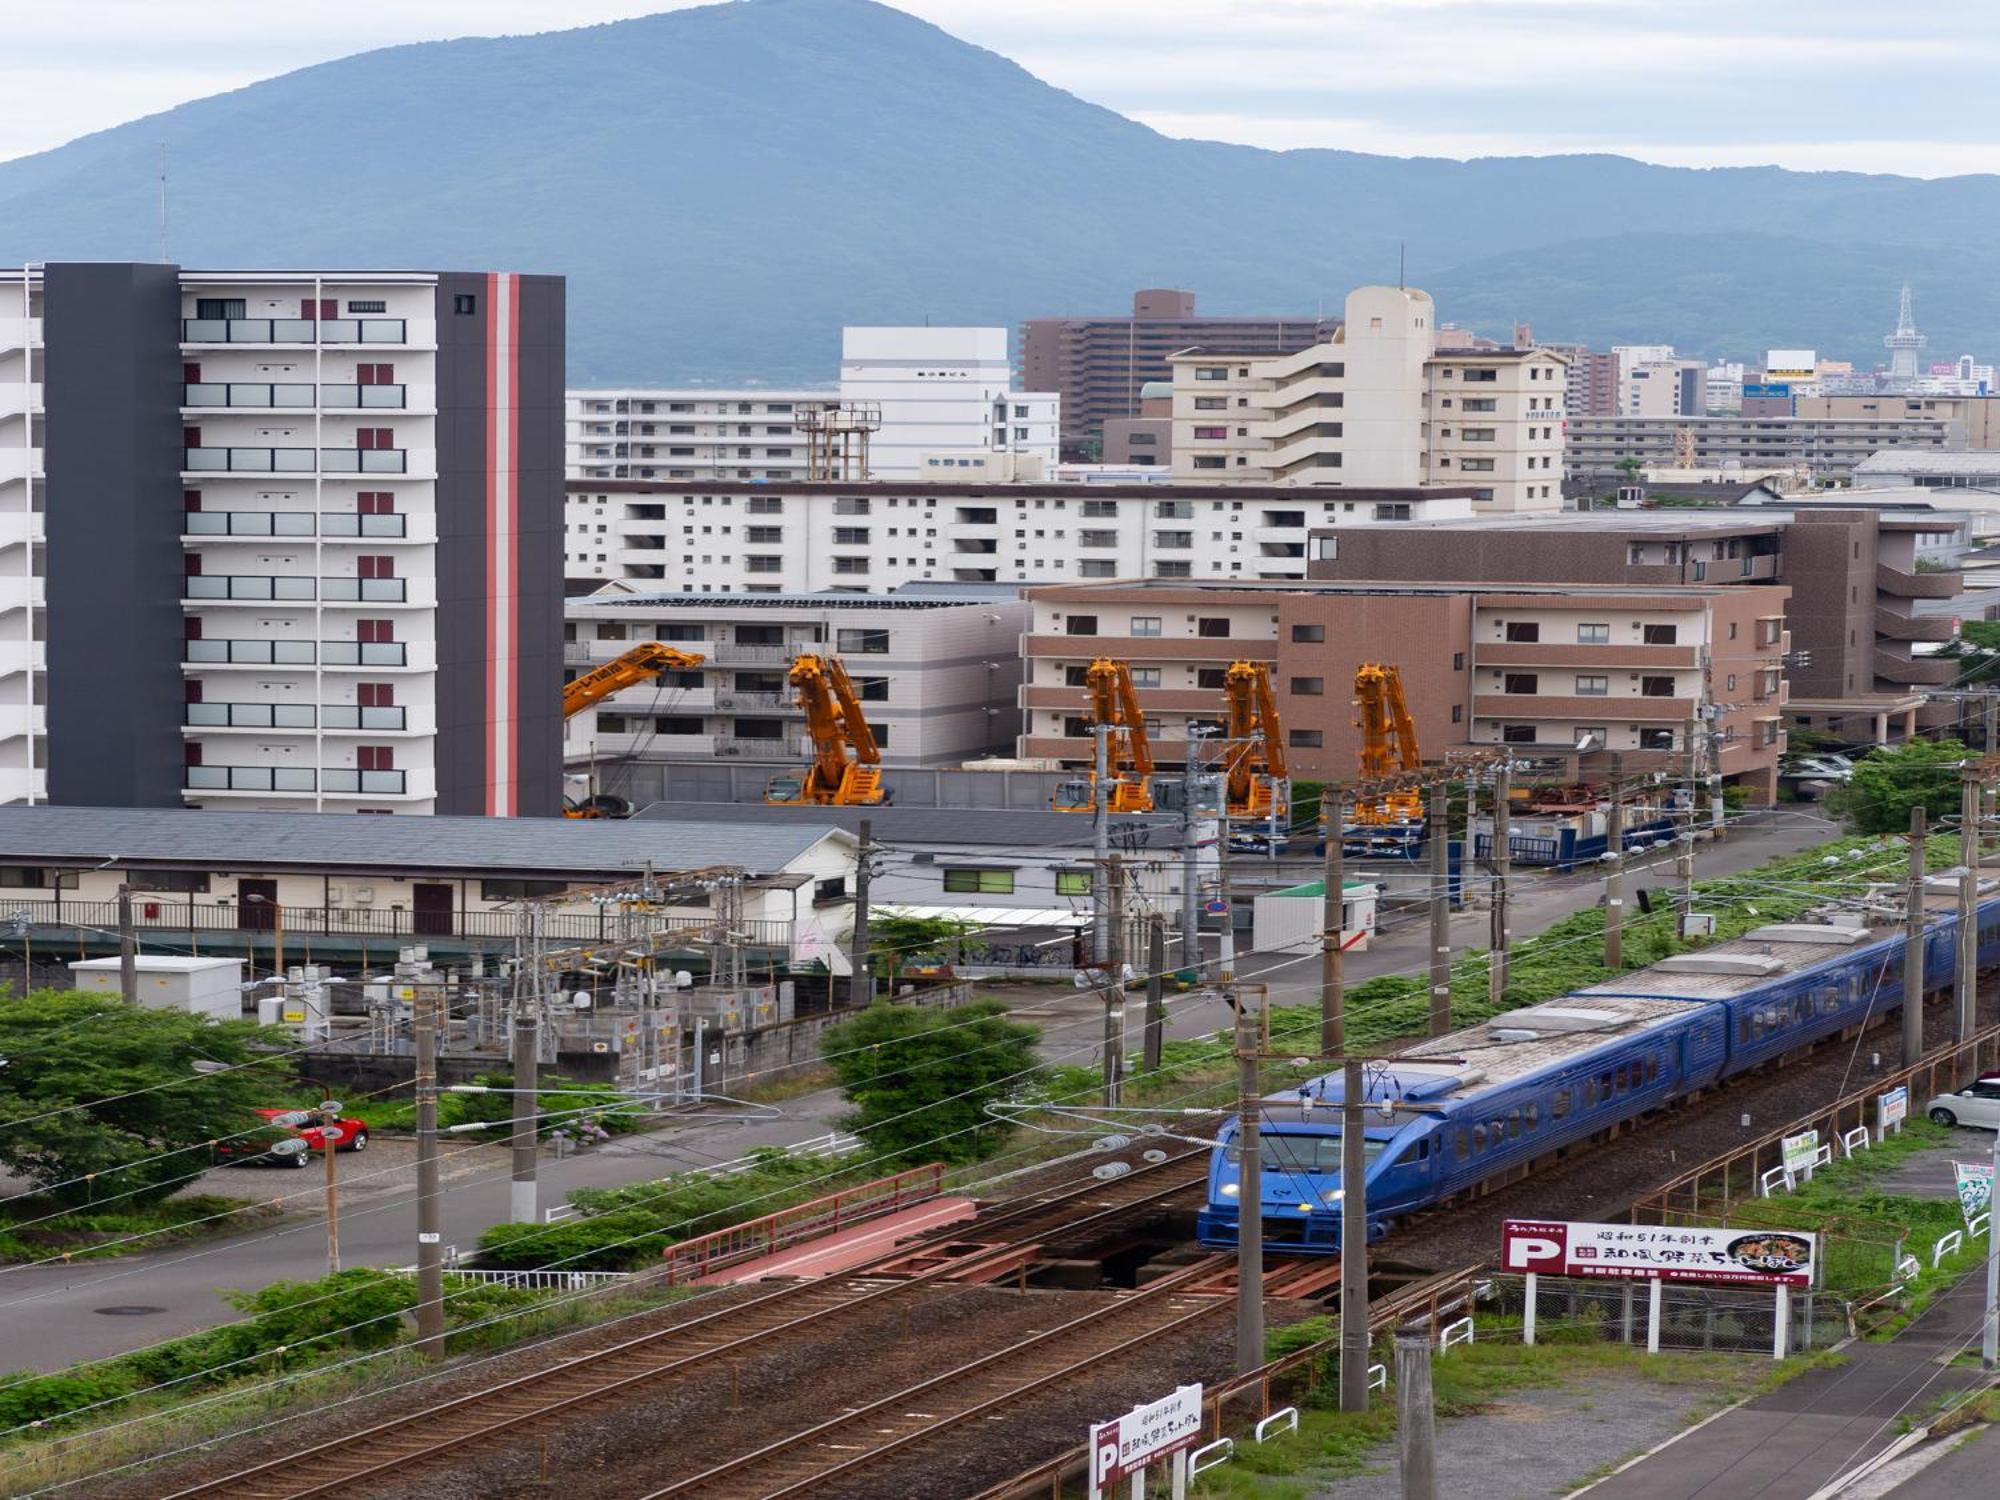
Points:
(554, 848)
(991, 827)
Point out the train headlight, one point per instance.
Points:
(1230, 1190)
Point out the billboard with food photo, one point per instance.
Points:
(1659, 1252)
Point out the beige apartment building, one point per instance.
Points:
(1377, 405)
(1529, 667)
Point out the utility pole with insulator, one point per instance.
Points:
(523, 1207)
(427, 1003)
(1614, 878)
(1965, 993)
(1684, 858)
(1416, 1416)
(1353, 1237)
(1100, 844)
(1438, 831)
(1333, 923)
(861, 987)
(1913, 943)
(1249, 1194)
(128, 948)
(1112, 873)
(1503, 853)
(1156, 989)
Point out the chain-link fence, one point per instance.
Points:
(1725, 1319)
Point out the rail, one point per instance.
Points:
(1696, 1190)
(690, 1260)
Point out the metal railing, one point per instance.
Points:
(374, 783)
(250, 779)
(364, 397)
(293, 330)
(207, 460)
(203, 586)
(364, 653)
(250, 653)
(249, 393)
(249, 716)
(363, 460)
(365, 590)
(690, 1260)
(343, 523)
(349, 716)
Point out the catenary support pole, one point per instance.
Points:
(1437, 834)
(1989, 723)
(427, 1005)
(1989, 1338)
(329, 1127)
(1913, 943)
(1100, 845)
(1684, 834)
(522, 1204)
(128, 948)
(1503, 856)
(1156, 988)
(1614, 871)
(1353, 1237)
(1249, 1195)
(1190, 865)
(1112, 873)
(1333, 932)
(1416, 1418)
(1965, 993)
(861, 984)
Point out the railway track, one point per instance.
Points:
(795, 1310)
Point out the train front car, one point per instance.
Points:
(1299, 1149)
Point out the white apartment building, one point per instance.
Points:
(793, 537)
(279, 540)
(647, 434)
(1664, 388)
(1378, 406)
(937, 668)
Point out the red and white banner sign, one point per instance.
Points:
(1144, 1435)
(1658, 1252)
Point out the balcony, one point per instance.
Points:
(249, 716)
(293, 330)
(365, 590)
(364, 397)
(1594, 709)
(209, 524)
(253, 394)
(1903, 585)
(1895, 625)
(295, 461)
(250, 779)
(247, 653)
(1584, 658)
(211, 587)
(391, 719)
(336, 780)
(1915, 671)
(729, 653)
(577, 654)
(794, 748)
(20, 333)
(364, 653)
(729, 701)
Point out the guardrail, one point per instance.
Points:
(690, 1260)
(1746, 1165)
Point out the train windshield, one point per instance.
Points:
(1317, 1152)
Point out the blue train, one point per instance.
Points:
(1475, 1108)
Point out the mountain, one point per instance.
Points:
(726, 186)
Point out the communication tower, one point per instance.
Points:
(1905, 344)
(837, 439)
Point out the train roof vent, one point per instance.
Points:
(1539, 1021)
(1808, 932)
(1753, 964)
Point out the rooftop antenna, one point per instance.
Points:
(1400, 258)
(164, 257)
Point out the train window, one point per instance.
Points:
(1635, 1075)
(1589, 1092)
(1560, 1108)
(1742, 1029)
(1652, 1070)
(1479, 1138)
(1513, 1125)
(1534, 1115)
(1458, 1146)
(1499, 1132)
(1607, 1084)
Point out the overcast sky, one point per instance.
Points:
(1852, 84)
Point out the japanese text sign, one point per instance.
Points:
(1658, 1252)
(1144, 1435)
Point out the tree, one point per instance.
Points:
(1978, 649)
(894, 938)
(920, 1078)
(1889, 782)
(60, 1049)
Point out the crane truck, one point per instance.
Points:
(846, 765)
(1128, 756)
(642, 663)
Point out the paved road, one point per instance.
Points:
(56, 1315)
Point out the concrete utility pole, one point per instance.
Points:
(861, 984)
(329, 1121)
(1437, 830)
(1112, 873)
(1913, 944)
(1353, 1237)
(1966, 992)
(1100, 844)
(1684, 845)
(1333, 929)
(1503, 853)
(128, 948)
(1156, 988)
(522, 1205)
(1190, 865)
(430, 1247)
(1989, 722)
(1614, 878)
(1416, 1424)
(1249, 1195)
(1989, 1337)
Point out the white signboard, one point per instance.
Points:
(1800, 1153)
(1143, 1436)
(1891, 1109)
(1975, 1188)
(1658, 1252)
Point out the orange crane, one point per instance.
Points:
(646, 660)
(846, 767)
(1253, 763)
(1128, 756)
(1388, 745)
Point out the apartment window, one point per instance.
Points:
(1214, 627)
(1656, 687)
(1488, 377)
(375, 631)
(1210, 461)
(1146, 677)
(1305, 739)
(1173, 510)
(1072, 882)
(220, 308)
(1768, 632)
(862, 642)
(765, 505)
(1656, 739)
(851, 505)
(1211, 432)
(1178, 540)
(1523, 630)
(766, 536)
(1211, 372)
(758, 562)
(1517, 734)
(1521, 682)
(1097, 539)
(850, 565)
(1099, 510)
(1075, 727)
(1080, 625)
(1167, 569)
(1308, 687)
(1593, 635)
(375, 757)
(368, 694)
(1211, 403)
(1309, 634)
(1478, 403)
(1477, 434)
(850, 536)
(1592, 685)
(979, 882)
(1393, 511)
(1661, 635)
(1148, 625)
(464, 304)
(1476, 465)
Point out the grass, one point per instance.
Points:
(1331, 1445)
(96, 1234)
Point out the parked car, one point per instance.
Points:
(288, 1138)
(929, 966)
(1978, 1105)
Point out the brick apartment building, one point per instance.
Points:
(1530, 667)
(1868, 588)
(1098, 364)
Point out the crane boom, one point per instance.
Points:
(845, 770)
(645, 660)
(1114, 701)
(1254, 766)
(1388, 743)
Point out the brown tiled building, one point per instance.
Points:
(1098, 364)
(1530, 667)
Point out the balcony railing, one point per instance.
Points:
(202, 586)
(292, 330)
(252, 523)
(348, 716)
(246, 393)
(730, 700)
(372, 783)
(250, 653)
(295, 461)
(250, 779)
(249, 716)
(364, 653)
(365, 590)
(363, 397)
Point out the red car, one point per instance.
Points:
(290, 1138)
